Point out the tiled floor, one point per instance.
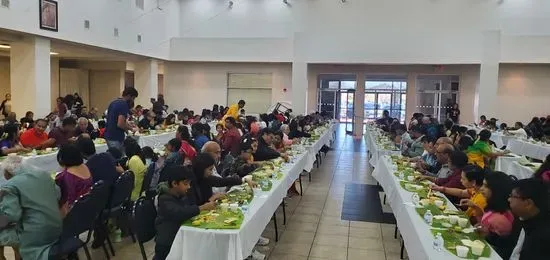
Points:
(315, 227)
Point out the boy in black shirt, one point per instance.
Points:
(174, 208)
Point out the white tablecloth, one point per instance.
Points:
(324, 139)
(511, 166)
(536, 151)
(416, 233)
(237, 244)
(48, 162)
(374, 150)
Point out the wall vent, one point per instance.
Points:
(115, 32)
(139, 38)
(87, 24)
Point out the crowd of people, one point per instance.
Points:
(194, 170)
(512, 215)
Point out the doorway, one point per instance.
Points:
(388, 93)
(436, 94)
(347, 109)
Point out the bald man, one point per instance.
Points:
(443, 140)
(213, 149)
(443, 153)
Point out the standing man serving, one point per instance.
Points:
(117, 113)
(234, 110)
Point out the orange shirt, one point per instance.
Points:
(32, 139)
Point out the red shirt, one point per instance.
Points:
(31, 138)
(187, 150)
(232, 141)
(280, 117)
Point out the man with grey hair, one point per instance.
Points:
(29, 199)
(84, 127)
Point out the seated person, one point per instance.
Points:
(102, 166)
(518, 130)
(416, 148)
(173, 157)
(529, 201)
(35, 137)
(10, 142)
(481, 151)
(11, 119)
(76, 179)
(200, 135)
(457, 161)
(62, 135)
(265, 152)
(427, 162)
(175, 207)
(203, 166)
(86, 127)
(464, 143)
(136, 164)
(277, 142)
(148, 122)
(296, 131)
(169, 120)
(101, 128)
(27, 121)
(543, 172)
(244, 164)
(496, 221)
(472, 179)
(286, 140)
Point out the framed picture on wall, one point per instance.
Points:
(48, 15)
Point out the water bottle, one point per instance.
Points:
(244, 207)
(415, 199)
(438, 242)
(428, 217)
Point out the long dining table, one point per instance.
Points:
(237, 244)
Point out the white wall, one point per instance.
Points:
(366, 31)
(198, 85)
(156, 26)
(4, 76)
(523, 92)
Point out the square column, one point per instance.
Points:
(485, 102)
(359, 104)
(30, 76)
(146, 81)
(299, 88)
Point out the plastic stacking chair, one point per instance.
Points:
(81, 218)
(118, 202)
(143, 215)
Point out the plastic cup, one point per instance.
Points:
(49, 149)
(224, 206)
(462, 251)
(438, 203)
(453, 219)
(463, 222)
(477, 248)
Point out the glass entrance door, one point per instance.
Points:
(347, 109)
(327, 102)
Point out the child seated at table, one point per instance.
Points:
(174, 208)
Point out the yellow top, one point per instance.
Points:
(478, 199)
(136, 165)
(233, 112)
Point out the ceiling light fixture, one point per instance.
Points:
(53, 53)
(4, 46)
(231, 4)
(285, 1)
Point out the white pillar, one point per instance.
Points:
(485, 102)
(359, 104)
(146, 81)
(30, 76)
(299, 88)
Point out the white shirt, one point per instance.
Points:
(519, 133)
(517, 250)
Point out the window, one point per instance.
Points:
(347, 84)
(383, 95)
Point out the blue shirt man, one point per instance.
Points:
(117, 113)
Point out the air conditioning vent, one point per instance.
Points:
(140, 4)
(116, 32)
(5, 3)
(139, 38)
(87, 24)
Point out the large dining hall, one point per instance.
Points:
(274, 130)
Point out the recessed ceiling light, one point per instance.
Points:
(53, 53)
(4, 46)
